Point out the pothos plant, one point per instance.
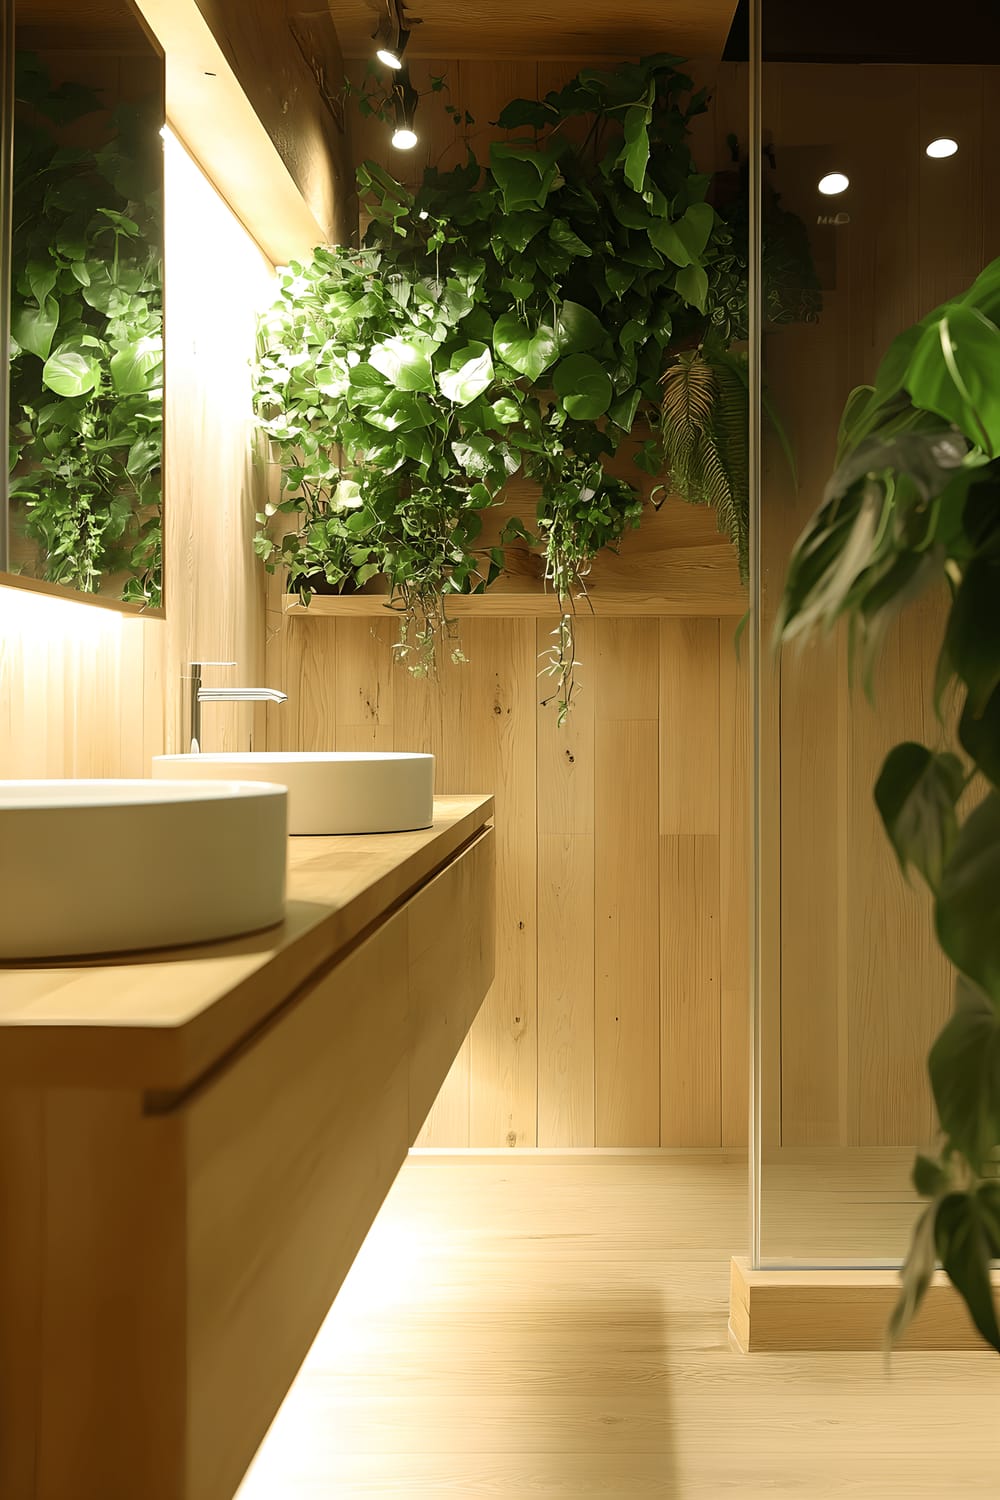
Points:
(914, 504)
(508, 317)
(86, 353)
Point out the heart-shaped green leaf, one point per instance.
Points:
(692, 283)
(529, 352)
(567, 239)
(916, 794)
(583, 386)
(578, 329)
(470, 374)
(34, 327)
(953, 372)
(966, 911)
(405, 362)
(138, 368)
(69, 373)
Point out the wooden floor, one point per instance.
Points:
(555, 1329)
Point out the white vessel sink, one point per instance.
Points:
(113, 866)
(329, 791)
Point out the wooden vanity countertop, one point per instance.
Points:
(161, 1020)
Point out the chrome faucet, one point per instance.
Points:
(197, 695)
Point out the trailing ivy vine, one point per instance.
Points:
(915, 504)
(86, 357)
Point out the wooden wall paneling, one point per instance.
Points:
(690, 1025)
(735, 872)
(950, 102)
(217, 280)
(500, 677)
(364, 681)
(990, 147)
(565, 759)
(689, 726)
(807, 369)
(626, 894)
(899, 986)
(690, 982)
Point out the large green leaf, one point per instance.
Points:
(524, 174)
(980, 736)
(567, 239)
(42, 275)
(137, 368)
(953, 372)
(143, 456)
(964, 1068)
(518, 230)
(635, 153)
(405, 362)
(973, 635)
(623, 411)
(34, 327)
(692, 284)
(583, 386)
(967, 1234)
(916, 795)
(968, 904)
(578, 329)
(470, 374)
(684, 241)
(69, 373)
(528, 351)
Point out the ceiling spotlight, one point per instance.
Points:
(391, 35)
(833, 183)
(404, 102)
(945, 146)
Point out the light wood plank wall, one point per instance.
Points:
(622, 849)
(87, 691)
(857, 987)
(616, 1018)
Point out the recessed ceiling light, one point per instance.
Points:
(833, 183)
(944, 146)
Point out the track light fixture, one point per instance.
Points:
(391, 35)
(404, 102)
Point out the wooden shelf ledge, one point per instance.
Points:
(522, 605)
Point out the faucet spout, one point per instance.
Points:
(241, 695)
(199, 695)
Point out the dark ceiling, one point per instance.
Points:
(874, 31)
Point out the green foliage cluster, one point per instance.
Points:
(86, 356)
(915, 501)
(507, 318)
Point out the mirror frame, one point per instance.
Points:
(8, 34)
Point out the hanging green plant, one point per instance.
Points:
(914, 504)
(86, 353)
(513, 316)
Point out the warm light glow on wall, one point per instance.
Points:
(47, 620)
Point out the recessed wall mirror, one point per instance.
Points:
(83, 266)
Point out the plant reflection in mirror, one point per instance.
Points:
(86, 370)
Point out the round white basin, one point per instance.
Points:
(114, 866)
(329, 791)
